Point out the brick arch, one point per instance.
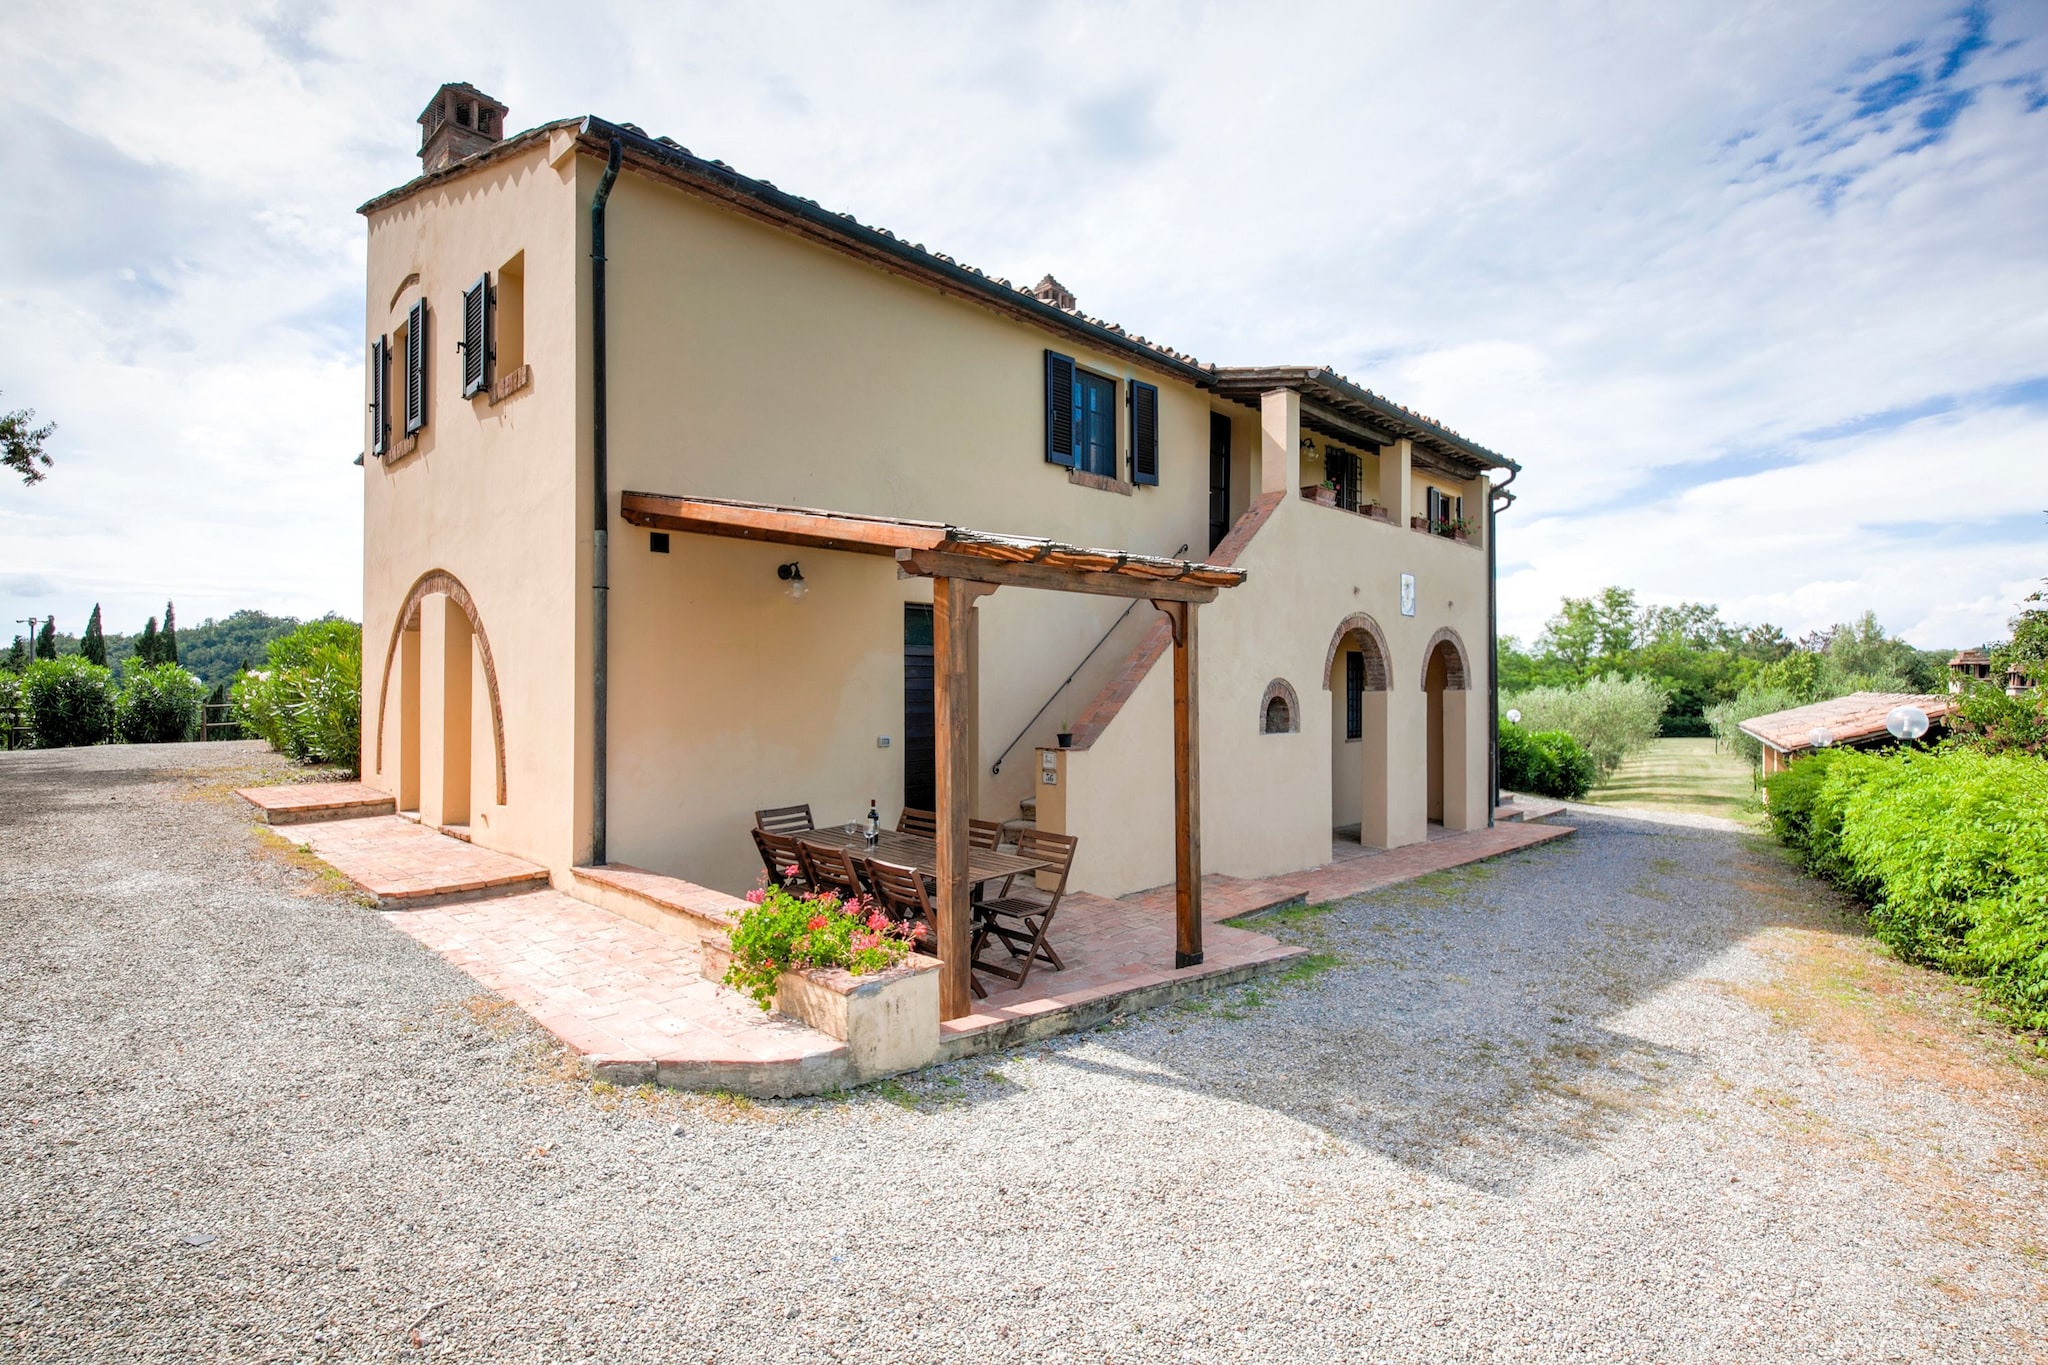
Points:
(1456, 670)
(1282, 690)
(1378, 674)
(433, 581)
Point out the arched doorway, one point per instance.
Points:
(440, 654)
(1446, 693)
(1355, 673)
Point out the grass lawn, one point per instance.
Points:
(1681, 775)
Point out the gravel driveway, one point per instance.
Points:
(1641, 1095)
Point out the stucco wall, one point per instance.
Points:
(486, 496)
(1270, 801)
(746, 363)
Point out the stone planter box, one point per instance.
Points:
(1376, 512)
(889, 1023)
(1315, 492)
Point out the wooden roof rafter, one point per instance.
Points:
(936, 550)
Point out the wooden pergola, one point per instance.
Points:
(965, 566)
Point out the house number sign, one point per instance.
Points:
(1407, 594)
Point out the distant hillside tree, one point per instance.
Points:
(218, 650)
(93, 644)
(145, 645)
(167, 643)
(46, 640)
(17, 655)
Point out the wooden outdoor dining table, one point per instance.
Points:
(914, 850)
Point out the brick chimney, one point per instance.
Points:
(1053, 292)
(459, 121)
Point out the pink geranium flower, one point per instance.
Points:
(757, 895)
(817, 922)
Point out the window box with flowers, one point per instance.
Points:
(1324, 493)
(843, 968)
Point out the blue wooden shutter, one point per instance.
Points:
(380, 397)
(1060, 427)
(1144, 433)
(416, 367)
(476, 337)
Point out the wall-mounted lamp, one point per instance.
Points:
(792, 576)
(1308, 447)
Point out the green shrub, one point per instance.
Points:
(1610, 716)
(308, 703)
(1805, 806)
(1950, 850)
(1986, 718)
(1543, 762)
(158, 705)
(69, 701)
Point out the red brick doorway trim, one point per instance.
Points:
(1456, 673)
(433, 581)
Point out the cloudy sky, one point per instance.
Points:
(1757, 293)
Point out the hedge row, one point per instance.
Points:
(1950, 850)
(1544, 762)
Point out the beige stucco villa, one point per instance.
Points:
(597, 624)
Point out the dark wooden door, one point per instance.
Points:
(920, 729)
(1219, 478)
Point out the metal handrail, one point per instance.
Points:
(996, 769)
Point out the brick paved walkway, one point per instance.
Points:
(401, 863)
(628, 998)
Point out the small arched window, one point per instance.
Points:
(1279, 712)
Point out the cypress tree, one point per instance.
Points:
(167, 643)
(94, 645)
(145, 644)
(46, 640)
(17, 655)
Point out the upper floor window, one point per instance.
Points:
(1094, 424)
(1081, 423)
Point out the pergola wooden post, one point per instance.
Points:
(952, 645)
(1187, 788)
(965, 566)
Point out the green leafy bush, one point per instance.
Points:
(1610, 716)
(1950, 850)
(1986, 718)
(69, 701)
(308, 703)
(781, 930)
(158, 704)
(1543, 762)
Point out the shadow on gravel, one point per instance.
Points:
(37, 783)
(1477, 1026)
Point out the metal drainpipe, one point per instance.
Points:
(1493, 511)
(600, 577)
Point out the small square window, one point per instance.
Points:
(657, 541)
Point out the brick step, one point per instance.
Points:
(690, 912)
(307, 801)
(404, 865)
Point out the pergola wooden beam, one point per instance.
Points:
(1187, 788)
(938, 565)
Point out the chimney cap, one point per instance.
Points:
(1050, 290)
(459, 121)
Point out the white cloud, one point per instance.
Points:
(1648, 251)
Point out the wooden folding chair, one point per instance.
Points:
(828, 867)
(785, 819)
(901, 891)
(986, 835)
(779, 854)
(922, 822)
(1020, 917)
